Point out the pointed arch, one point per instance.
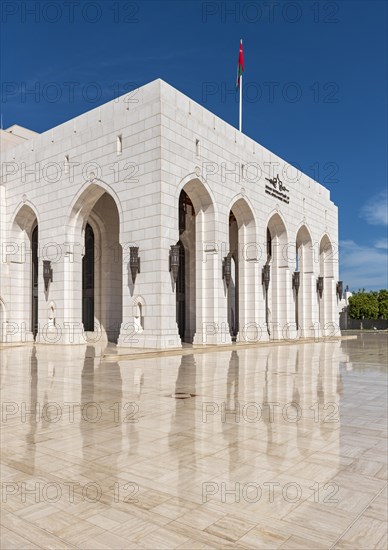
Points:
(304, 296)
(25, 217)
(276, 220)
(326, 256)
(279, 237)
(24, 271)
(243, 209)
(304, 249)
(328, 270)
(196, 233)
(99, 273)
(242, 293)
(198, 190)
(278, 297)
(84, 202)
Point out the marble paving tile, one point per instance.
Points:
(230, 528)
(262, 538)
(364, 533)
(163, 539)
(13, 541)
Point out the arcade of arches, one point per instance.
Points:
(225, 286)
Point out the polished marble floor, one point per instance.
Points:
(262, 447)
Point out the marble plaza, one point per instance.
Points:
(275, 446)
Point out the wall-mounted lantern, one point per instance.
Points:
(265, 279)
(296, 281)
(227, 269)
(320, 286)
(340, 289)
(295, 286)
(265, 276)
(174, 260)
(134, 262)
(47, 273)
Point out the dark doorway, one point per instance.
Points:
(233, 290)
(181, 293)
(34, 281)
(88, 281)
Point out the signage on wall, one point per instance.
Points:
(277, 189)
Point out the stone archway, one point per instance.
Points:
(24, 269)
(244, 253)
(185, 291)
(97, 269)
(279, 291)
(305, 298)
(327, 304)
(196, 220)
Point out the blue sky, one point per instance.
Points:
(315, 78)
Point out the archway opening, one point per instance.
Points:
(34, 281)
(233, 289)
(277, 259)
(302, 293)
(101, 274)
(23, 263)
(181, 293)
(327, 270)
(88, 280)
(185, 285)
(243, 256)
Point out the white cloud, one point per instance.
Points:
(363, 266)
(382, 243)
(375, 210)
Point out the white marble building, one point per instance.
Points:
(155, 170)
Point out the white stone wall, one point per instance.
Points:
(169, 143)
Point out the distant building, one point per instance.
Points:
(219, 223)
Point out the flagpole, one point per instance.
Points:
(240, 107)
(240, 70)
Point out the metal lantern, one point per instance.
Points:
(174, 260)
(340, 289)
(265, 276)
(47, 273)
(134, 262)
(295, 286)
(296, 281)
(320, 286)
(227, 269)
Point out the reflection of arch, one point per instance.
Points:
(95, 215)
(3, 321)
(195, 235)
(242, 289)
(23, 271)
(279, 290)
(304, 264)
